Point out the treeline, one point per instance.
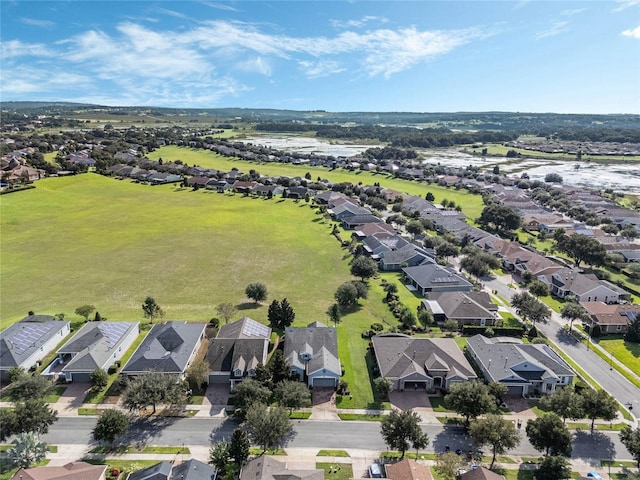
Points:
(611, 135)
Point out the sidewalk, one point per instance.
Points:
(302, 458)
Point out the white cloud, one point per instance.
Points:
(570, 12)
(556, 29)
(319, 69)
(171, 13)
(221, 6)
(358, 23)
(16, 48)
(633, 33)
(624, 4)
(37, 23)
(256, 65)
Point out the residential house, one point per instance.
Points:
(95, 345)
(194, 470)
(524, 369)
(347, 209)
(268, 468)
(169, 348)
(354, 221)
(408, 469)
(243, 186)
(268, 190)
(379, 243)
(159, 471)
(312, 353)
(69, 471)
(219, 186)
(420, 363)
(409, 255)
(466, 308)
(298, 192)
(198, 182)
(431, 277)
(368, 229)
(27, 342)
(188, 470)
(586, 288)
(237, 350)
(612, 318)
(480, 473)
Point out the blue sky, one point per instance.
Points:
(422, 56)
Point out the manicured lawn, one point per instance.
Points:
(270, 451)
(56, 394)
(299, 415)
(149, 449)
(332, 453)
(336, 471)
(368, 417)
(438, 405)
(189, 250)
(626, 352)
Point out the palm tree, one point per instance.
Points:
(28, 450)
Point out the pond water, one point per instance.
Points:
(620, 177)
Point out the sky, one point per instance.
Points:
(392, 55)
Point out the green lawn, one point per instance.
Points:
(333, 453)
(110, 243)
(368, 417)
(626, 352)
(147, 449)
(471, 204)
(336, 471)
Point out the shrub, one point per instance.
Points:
(377, 327)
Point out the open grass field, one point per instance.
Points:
(471, 204)
(500, 150)
(90, 239)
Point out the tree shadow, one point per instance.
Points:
(224, 430)
(453, 437)
(565, 337)
(143, 429)
(247, 306)
(592, 446)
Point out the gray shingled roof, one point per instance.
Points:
(268, 468)
(434, 275)
(398, 355)
(502, 360)
(242, 342)
(464, 305)
(21, 340)
(194, 470)
(94, 344)
(167, 348)
(320, 341)
(159, 471)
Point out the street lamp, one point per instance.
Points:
(611, 362)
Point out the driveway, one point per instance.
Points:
(324, 404)
(72, 398)
(215, 400)
(418, 401)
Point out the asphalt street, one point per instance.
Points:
(164, 431)
(597, 368)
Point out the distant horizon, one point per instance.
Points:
(2, 102)
(529, 56)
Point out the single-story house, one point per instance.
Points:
(586, 288)
(198, 182)
(524, 369)
(169, 348)
(312, 353)
(407, 256)
(268, 468)
(347, 209)
(408, 469)
(354, 221)
(188, 470)
(368, 229)
(431, 277)
(95, 345)
(379, 243)
(159, 471)
(69, 471)
(612, 318)
(27, 342)
(219, 186)
(268, 190)
(480, 473)
(194, 470)
(420, 363)
(466, 308)
(237, 350)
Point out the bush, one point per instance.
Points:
(377, 327)
(214, 322)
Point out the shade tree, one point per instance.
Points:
(111, 424)
(498, 434)
(401, 429)
(598, 404)
(363, 267)
(256, 291)
(548, 434)
(151, 309)
(267, 427)
(469, 399)
(153, 388)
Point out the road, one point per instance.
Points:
(311, 434)
(597, 368)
